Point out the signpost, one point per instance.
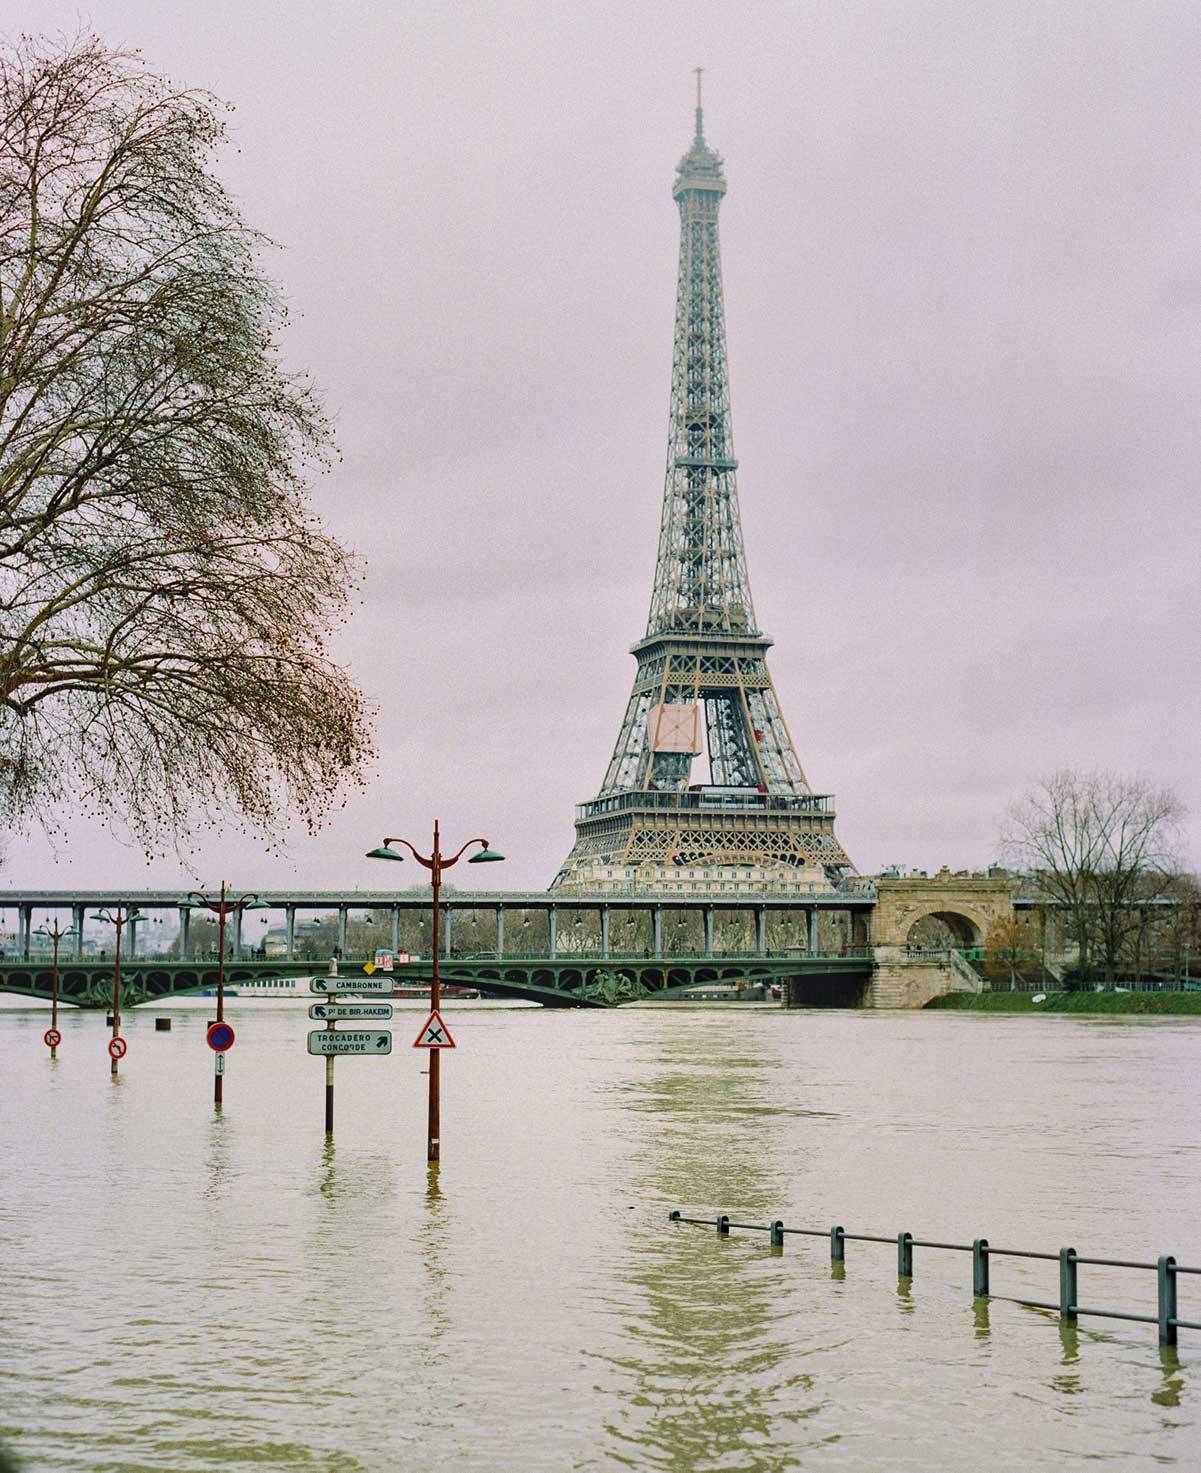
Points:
(328, 1041)
(326, 1012)
(331, 986)
(116, 1047)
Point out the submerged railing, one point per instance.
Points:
(1165, 1268)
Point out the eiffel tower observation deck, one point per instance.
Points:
(704, 791)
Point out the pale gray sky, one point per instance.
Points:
(962, 250)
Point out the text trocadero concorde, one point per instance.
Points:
(327, 1041)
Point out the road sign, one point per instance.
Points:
(328, 1041)
(328, 986)
(326, 1012)
(218, 1063)
(369, 967)
(384, 960)
(117, 1047)
(434, 1033)
(220, 1037)
(52, 1038)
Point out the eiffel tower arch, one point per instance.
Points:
(704, 790)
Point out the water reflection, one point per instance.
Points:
(698, 1376)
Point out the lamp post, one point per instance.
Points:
(56, 934)
(436, 862)
(221, 908)
(125, 916)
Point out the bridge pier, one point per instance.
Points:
(657, 930)
(78, 912)
(185, 932)
(604, 923)
(760, 928)
(500, 932)
(395, 929)
(290, 932)
(552, 928)
(343, 916)
(24, 930)
(445, 920)
(811, 917)
(708, 930)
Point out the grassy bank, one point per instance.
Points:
(1072, 1002)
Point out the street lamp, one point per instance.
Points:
(56, 934)
(125, 916)
(435, 862)
(221, 908)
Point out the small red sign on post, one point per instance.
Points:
(434, 1033)
(52, 1038)
(220, 1037)
(117, 1047)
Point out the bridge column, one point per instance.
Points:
(78, 914)
(236, 939)
(446, 913)
(185, 931)
(24, 930)
(604, 915)
(132, 940)
(552, 926)
(811, 917)
(657, 929)
(708, 930)
(395, 929)
(343, 916)
(761, 928)
(500, 932)
(290, 932)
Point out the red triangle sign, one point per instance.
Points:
(434, 1033)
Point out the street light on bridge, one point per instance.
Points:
(125, 916)
(56, 934)
(435, 862)
(222, 907)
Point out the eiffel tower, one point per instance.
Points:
(702, 688)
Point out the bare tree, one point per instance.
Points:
(165, 592)
(1103, 849)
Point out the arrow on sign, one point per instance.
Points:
(434, 1033)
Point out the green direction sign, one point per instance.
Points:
(327, 1012)
(328, 1041)
(331, 986)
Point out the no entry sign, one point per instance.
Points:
(52, 1038)
(220, 1037)
(117, 1047)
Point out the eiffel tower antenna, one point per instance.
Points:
(702, 687)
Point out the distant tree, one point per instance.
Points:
(1008, 943)
(1101, 847)
(165, 592)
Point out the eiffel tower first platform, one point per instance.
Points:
(703, 703)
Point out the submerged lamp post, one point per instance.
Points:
(435, 862)
(56, 934)
(221, 908)
(125, 916)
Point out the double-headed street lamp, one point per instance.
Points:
(435, 862)
(222, 907)
(56, 934)
(125, 916)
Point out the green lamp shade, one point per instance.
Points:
(383, 852)
(256, 904)
(485, 856)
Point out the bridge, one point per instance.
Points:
(564, 981)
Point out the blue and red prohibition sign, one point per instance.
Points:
(220, 1037)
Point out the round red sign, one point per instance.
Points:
(220, 1037)
(52, 1038)
(117, 1047)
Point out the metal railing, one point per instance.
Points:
(708, 802)
(1069, 1308)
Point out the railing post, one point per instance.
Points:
(777, 1234)
(980, 1269)
(674, 1215)
(838, 1245)
(1067, 1283)
(904, 1255)
(1167, 1299)
(723, 1226)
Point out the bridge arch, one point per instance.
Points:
(946, 928)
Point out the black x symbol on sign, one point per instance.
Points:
(434, 1034)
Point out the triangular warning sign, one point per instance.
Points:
(434, 1033)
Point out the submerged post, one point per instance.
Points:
(980, 1268)
(777, 1234)
(838, 1245)
(723, 1226)
(1167, 1299)
(904, 1255)
(1067, 1283)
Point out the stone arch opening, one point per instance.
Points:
(939, 930)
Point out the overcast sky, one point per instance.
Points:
(962, 254)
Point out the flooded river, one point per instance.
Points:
(187, 1292)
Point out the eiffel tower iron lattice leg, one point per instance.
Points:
(702, 688)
